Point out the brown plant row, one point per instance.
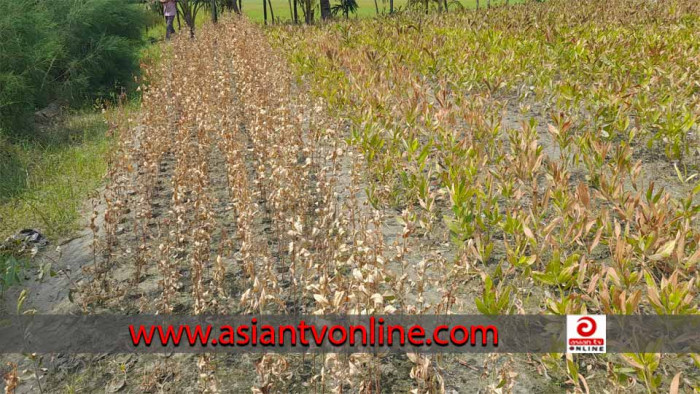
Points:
(232, 191)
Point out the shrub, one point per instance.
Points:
(101, 39)
(28, 46)
(65, 49)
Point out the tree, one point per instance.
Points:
(230, 5)
(267, 3)
(346, 7)
(296, 15)
(272, 12)
(326, 9)
(439, 4)
(307, 8)
(189, 9)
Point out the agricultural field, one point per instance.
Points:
(253, 9)
(366, 8)
(539, 158)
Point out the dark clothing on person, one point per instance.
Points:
(169, 26)
(170, 12)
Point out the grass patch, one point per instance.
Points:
(46, 178)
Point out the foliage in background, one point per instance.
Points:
(101, 39)
(67, 50)
(28, 45)
(345, 7)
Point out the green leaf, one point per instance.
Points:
(547, 279)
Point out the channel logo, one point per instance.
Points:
(585, 333)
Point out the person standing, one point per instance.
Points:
(170, 12)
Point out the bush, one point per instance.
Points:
(28, 45)
(73, 50)
(101, 40)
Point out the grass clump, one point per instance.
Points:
(45, 180)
